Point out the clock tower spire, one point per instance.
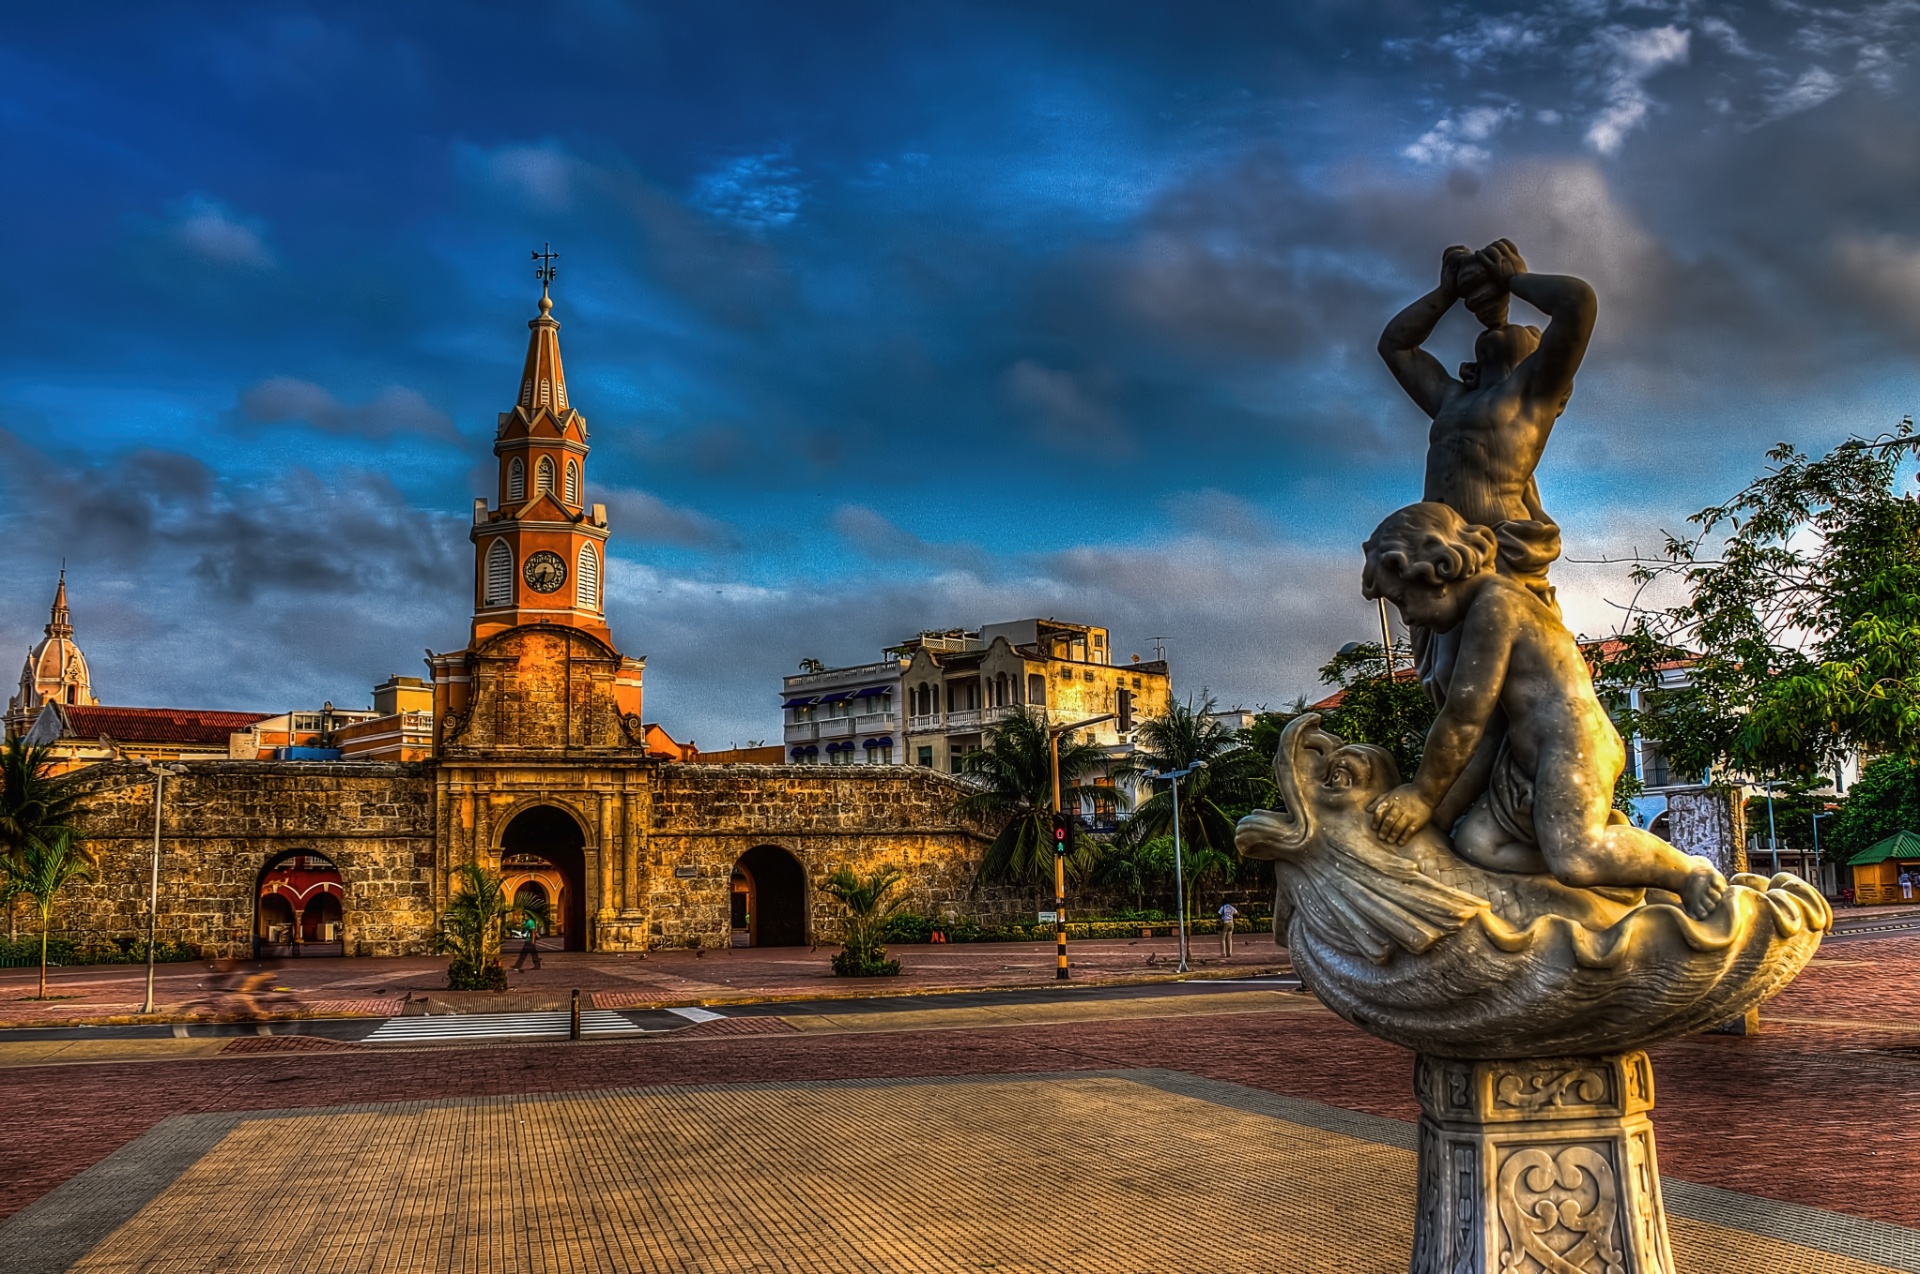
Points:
(539, 548)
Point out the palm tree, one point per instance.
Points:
(40, 870)
(470, 930)
(1013, 787)
(870, 902)
(1235, 781)
(34, 808)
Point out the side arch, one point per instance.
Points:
(299, 907)
(769, 898)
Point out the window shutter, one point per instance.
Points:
(516, 481)
(543, 477)
(499, 574)
(588, 575)
(573, 483)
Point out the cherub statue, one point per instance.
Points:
(1547, 798)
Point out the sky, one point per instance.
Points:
(887, 317)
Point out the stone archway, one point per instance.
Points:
(298, 907)
(544, 844)
(775, 889)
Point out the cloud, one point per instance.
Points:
(1067, 415)
(756, 192)
(545, 174)
(1629, 59)
(210, 230)
(393, 411)
(1815, 85)
(644, 518)
(1886, 269)
(874, 535)
(1455, 140)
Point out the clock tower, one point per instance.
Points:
(539, 576)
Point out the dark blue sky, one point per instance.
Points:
(891, 316)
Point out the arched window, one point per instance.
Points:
(573, 483)
(587, 579)
(516, 481)
(543, 477)
(499, 574)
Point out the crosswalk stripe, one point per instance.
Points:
(476, 1026)
(698, 1015)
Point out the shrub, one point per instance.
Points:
(849, 964)
(871, 903)
(907, 927)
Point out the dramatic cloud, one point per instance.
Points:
(395, 410)
(1629, 59)
(641, 517)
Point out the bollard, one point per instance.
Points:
(573, 1031)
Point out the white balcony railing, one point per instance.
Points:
(924, 725)
(967, 720)
(836, 727)
(803, 732)
(874, 722)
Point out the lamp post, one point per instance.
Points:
(1817, 816)
(1060, 857)
(1179, 879)
(159, 773)
(1773, 841)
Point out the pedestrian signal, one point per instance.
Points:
(1062, 834)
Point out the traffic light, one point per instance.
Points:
(1062, 833)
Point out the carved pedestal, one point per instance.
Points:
(1538, 1166)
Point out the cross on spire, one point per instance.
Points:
(546, 256)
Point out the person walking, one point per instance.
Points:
(1228, 914)
(529, 932)
(1906, 885)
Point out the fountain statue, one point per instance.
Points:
(1493, 912)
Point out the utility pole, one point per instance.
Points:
(159, 773)
(1062, 838)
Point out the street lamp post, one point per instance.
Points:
(1773, 841)
(159, 773)
(1060, 859)
(1179, 879)
(1817, 816)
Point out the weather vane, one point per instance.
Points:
(546, 256)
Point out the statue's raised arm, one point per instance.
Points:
(1422, 375)
(1546, 375)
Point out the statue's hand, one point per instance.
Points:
(1400, 813)
(1502, 261)
(1450, 263)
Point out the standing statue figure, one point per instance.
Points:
(1490, 428)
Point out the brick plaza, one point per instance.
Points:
(1225, 1131)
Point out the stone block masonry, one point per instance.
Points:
(225, 821)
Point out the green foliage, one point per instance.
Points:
(907, 926)
(1236, 779)
(470, 930)
(1012, 779)
(69, 952)
(40, 869)
(871, 901)
(1802, 618)
(33, 805)
(1393, 713)
(1885, 800)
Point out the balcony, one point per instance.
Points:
(993, 716)
(836, 728)
(874, 723)
(967, 720)
(803, 732)
(924, 725)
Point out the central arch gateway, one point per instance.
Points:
(543, 849)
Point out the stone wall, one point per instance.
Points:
(703, 818)
(225, 821)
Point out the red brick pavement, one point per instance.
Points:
(1824, 1115)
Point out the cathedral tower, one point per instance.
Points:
(56, 671)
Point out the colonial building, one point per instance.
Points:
(535, 763)
(935, 697)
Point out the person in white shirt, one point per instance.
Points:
(1228, 912)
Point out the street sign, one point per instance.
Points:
(1049, 917)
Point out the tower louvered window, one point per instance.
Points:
(516, 481)
(587, 576)
(543, 477)
(573, 483)
(499, 574)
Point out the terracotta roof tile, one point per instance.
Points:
(156, 725)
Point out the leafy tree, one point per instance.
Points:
(41, 868)
(470, 930)
(1885, 800)
(1200, 864)
(34, 808)
(1394, 713)
(1235, 781)
(1012, 778)
(1802, 618)
(870, 902)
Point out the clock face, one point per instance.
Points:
(545, 572)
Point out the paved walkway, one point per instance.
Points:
(252, 990)
(1095, 1174)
